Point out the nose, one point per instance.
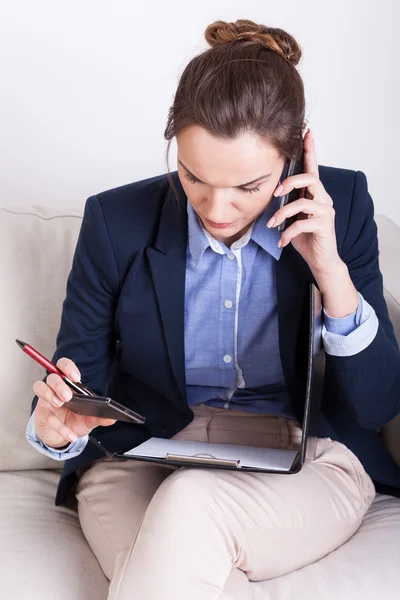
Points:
(217, 206)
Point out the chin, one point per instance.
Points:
(228, 237)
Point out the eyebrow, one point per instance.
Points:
(237, 186)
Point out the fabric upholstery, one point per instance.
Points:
(36, 246)
(364, 568)
(43, 553)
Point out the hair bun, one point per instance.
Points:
(224, 32)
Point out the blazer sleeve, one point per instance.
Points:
(367, 383)
(86, 333)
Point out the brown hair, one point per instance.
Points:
(246, 82)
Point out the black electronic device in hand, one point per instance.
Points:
(104, 407)
(291, 168)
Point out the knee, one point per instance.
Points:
(189, 489)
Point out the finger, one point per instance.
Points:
(61, 389)
(43, 402)
(304, 226)
(84, 424)
(304, 180)
(310, 157)
(100, 421)
(42, 390)
(58, 426)
(308, 207)
(70, 369)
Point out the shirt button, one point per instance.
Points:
(227, 358)
(228, 303)
(231, 256)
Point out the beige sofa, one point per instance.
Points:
(43, 554)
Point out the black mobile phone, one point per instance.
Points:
(104, 407)
(291, 168)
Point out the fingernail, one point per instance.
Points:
(280, 244)
(271, 222)
(72, 437)
(75, 376)
(278, 191)
(57, 402)
(67, 395)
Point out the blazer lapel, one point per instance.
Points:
(167, 262)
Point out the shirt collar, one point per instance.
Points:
(267, 239)
(198, 241)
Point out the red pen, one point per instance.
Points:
(42, 360)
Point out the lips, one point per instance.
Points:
(219, 225)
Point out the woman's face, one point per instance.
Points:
(229, 183)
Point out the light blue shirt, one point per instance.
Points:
(231, 325)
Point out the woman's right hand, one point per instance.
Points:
(55, 425)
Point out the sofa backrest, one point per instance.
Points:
(389, 253)
(36, 249)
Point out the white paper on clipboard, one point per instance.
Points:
(248, 456)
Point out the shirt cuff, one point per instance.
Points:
(71, 451)
(351, 334)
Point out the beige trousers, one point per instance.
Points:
(171, 533)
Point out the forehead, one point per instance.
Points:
(209, 157)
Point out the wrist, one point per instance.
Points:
(61, 445)
(339, 295)
(327, 278)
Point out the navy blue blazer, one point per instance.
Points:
(123, 322)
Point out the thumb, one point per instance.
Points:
(102, 422)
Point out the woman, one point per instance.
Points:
(186, 303)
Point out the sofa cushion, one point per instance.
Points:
(364, 568)
(43, 553)
(36, 248)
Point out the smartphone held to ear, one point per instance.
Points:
(291, 168)
(103, 407)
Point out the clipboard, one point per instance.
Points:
(185, 453)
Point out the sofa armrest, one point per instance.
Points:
(389, 251)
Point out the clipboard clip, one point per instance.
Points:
(203, 459)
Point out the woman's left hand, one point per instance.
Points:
(313, 233)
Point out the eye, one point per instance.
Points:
(192, 179)
(250, 190)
